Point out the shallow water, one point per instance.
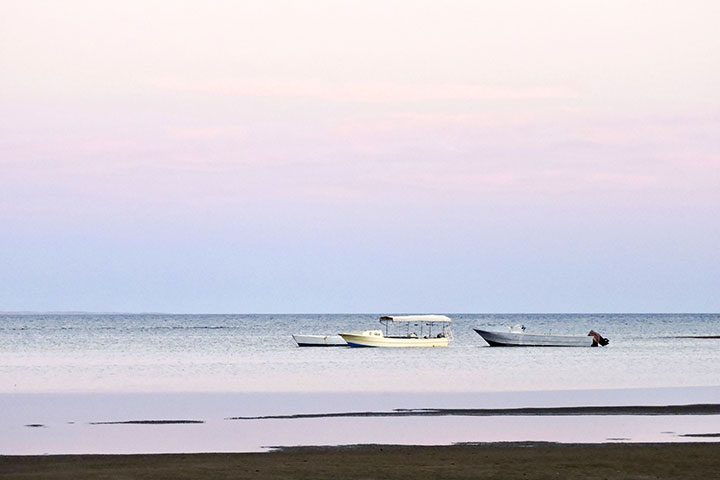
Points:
(63, 372)
(255, 353)
(67, 423)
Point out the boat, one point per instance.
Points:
(418, 333)
(319, 341)
(517, 337)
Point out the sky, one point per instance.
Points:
(369, 156)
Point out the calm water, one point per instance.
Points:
(255, 353)
(62, 373)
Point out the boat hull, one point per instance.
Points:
(358, 340)
(512, 339)
(319, 341)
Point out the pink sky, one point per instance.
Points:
(257, 120)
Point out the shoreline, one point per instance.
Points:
(528, 460)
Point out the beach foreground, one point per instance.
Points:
(501, 460)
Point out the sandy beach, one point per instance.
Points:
(512, 460)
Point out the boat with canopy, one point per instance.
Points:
(420, 331)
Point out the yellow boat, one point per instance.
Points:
(419, 333)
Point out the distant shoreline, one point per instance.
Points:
(82, 312)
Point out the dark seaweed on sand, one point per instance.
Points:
(148, 422)
(695, 409)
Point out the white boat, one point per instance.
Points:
(517, 337)
(319, 341)
(419, 333)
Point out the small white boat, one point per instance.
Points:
(419, 333)
(319, 341)
(517, 337)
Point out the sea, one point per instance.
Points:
(119, 383)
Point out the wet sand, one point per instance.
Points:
(514, 460)
(129, 424)
(695, 409)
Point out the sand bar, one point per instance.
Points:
(694, 409)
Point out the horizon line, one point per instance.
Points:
(89, 312)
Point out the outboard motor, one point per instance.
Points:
(598, 339)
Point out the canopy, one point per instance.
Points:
(416, 318)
